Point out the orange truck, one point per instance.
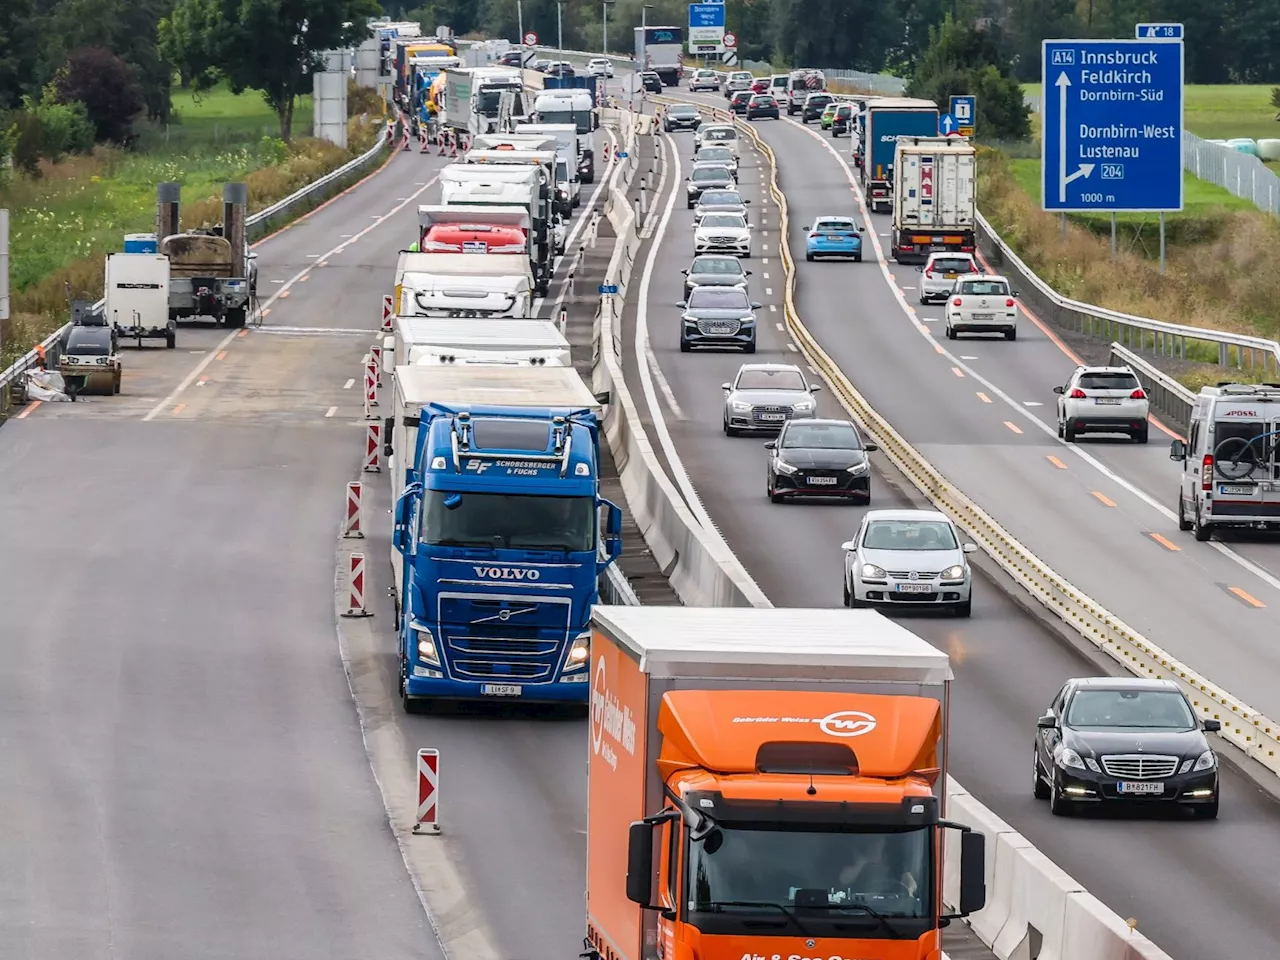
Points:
(768, 785)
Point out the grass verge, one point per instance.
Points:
(63, 224)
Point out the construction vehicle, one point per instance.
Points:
(770, 782)
(89, 354)
(136, 301)
(212, 272)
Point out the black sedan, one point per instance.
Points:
(1125, 741)
(819, 458)
(681, 116)
(650, 82)
(738, 102)
(814, 104)
(842, 120)
(762, 105)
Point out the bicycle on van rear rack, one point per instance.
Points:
(1236, 458)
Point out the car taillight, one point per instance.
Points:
(1008, 303)
(1138, 395)
(1206, 472)
(1077, 394)
(956, 302)
(929, 274)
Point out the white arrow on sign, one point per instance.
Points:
(946, 123)
(1085, 168)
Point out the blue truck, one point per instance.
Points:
(501, 534)
(882, 121)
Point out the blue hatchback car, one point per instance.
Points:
(834, 237)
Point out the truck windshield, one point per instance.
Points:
(487, 102)
(581, 119)
(509, 521)
(831, 872)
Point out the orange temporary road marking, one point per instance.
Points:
(1013, 426)
(1250, 600)
(27, 409)
(957, 371)
(1164, 542)
(284, 293)
(1104, 499)
(1056, 462)
(221, 356)
(245, 333)
(983, 397)
(179, 408)
(938, 347)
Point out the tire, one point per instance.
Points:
(808, 256)
(773, 496)
(235, 318)
(964, 610)
(409, 704)
(844, 589)
(951, 334)
(1183, 523)
(1011, 334)
(1202, 531)
(115, 386)
(170, 338)
(1062, 433)
(1059, 806)
(750, 347)
(684, 345)
(1142, 435)
(1068, 433)
(857, 258)
(730, 431)
(1039, 789)
(692, 204)
(923, 301)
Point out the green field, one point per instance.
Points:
(219, 117)
(1222, 112)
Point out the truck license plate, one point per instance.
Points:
(1235, 489)
(474, 246)
(501, 689)
(915, 588)
(1141, 787)
(823, 481)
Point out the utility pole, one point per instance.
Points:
(605, 5)
(520, 27)
(560, 27)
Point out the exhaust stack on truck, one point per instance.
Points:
(769, 783)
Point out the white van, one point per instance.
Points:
(1231, 460)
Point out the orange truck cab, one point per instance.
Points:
(768, 784)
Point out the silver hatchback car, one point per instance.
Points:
(908, 558)
(764, 396)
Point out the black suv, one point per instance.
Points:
(814, 105)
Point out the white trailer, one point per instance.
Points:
(934, 197)
(137, 298)
(491, 185)
(414, 337)
(491, 285)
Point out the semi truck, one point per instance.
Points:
(445, 229)
(501, 532)
(770, 783)
(556, 108)
(515, 156)
(568, 147)
(934, 199)
(878, 127)
(463, 285)
(473, 97)
(489, 185)
(661, 49)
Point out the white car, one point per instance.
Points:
(939, 273)
(723, 233)
(908, 558)
(982, 303)
(704, 80)
(1103, 400)
(717, 135)
(738, 80)
(599, 67)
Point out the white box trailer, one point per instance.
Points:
(137, 298)
(488, 286)
(414, 337)
(496, 385)
(934, 197)
(493, 185)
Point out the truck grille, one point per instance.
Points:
(1139, 766)
(489, 670)
(511, 637)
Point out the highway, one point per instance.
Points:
(1214, 881)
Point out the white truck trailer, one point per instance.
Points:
(490, 185)
(487, 286)
(934, 197)
(137, 298)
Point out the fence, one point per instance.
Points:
(261, 224)
(1241, 174)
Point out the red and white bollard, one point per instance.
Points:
(388, 311)
(564, 319)
(355, 588)
(370, 388)
(351, 525)
(422, 139)
(607, 155)
(440, 140)
(453, 145)
(376, 353)
(428, 817)
(373, 448)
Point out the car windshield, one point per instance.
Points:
(732, 221)
(771, 867)
(985, 288)
(909, 535)
(740, 75)
(683, 110)
(834, 226)
(1158, 709)
(952, 264)
(719, 133)
(711, 173)
(719, 298)
(1108, 381)
(817, 100)
(843, 110)
(822, 436)
(721, 198)
(508, 521)
(721, 266)
(770, 380)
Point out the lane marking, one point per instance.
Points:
(1246, 597)
(773, 308)
(27, 409)
(1103, 499)
(768, 291)
(1056, 462)
(983, 397)
(348, 384)
(317, 256)
(1032, 403)
(766, 276)
(1165, 542)
(331, 411)
(266, 308)
(957, 371)
(179, 408)
(779, 326)
(792, 347)
(1013, 426)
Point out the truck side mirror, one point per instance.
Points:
(640, 863)
(1178, 450)
(973, 872)
(398, 531)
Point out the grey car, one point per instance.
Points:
(720, 201)
(718, 317)
(764, 396)
(681, 116)
(714, 270)
(707, 176)
(908, 558)
(721, 155)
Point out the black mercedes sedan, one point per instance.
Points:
(762, 105)
(1108, 741)
(819, 458)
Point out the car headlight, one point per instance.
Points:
(579, 652)
(427, 652)
(804, 406)
(1206, 761)
(1069, 758)
(858, 468)
(871, 572)
(953, 573)
(783, 467)
(740, 407)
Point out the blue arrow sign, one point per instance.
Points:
(964, 110)
(1112, 126)
(706, 15)
(608, 288)
(1159, 31)
(947, 124)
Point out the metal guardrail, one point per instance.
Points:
(257, 226)
(615, 588)
(1168, 397)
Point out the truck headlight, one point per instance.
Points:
(427, 651)
(579, 652)
(953, 573)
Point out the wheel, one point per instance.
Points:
(684, 345)
(235, 318)
(773, 495)
(1011, 334)
(1142, 435)
(750, 347)
(964, 609)
(951, 334)
(808, 256)
(1059, 806)
(1207, 812)
(923, 301)
(857, 258)
(1183, 523)
(1039, 789)
(115, 385)
(692, 204)
(1068, 433)
(730, 431)
(171, 338)
(1203, 531)
(1061, 429)
(409, 704)
(844, 589)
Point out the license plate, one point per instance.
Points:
(1235, 489)
(772, 416)
(950, 276)
(474, 246)
(915, 588)
(1141, 787)
(717, 328)
(823, 481)
(1108, 401)
(501, 689)
(984, 316)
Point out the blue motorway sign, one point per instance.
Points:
(965, 110)
(607, 288)
(947, 124)
(706, 15)
(1158, 31)
(1112, 126)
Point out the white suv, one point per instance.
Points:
(939, 273)
(981, 303)
(704, 80)
(599, 67)
(1103, 400)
